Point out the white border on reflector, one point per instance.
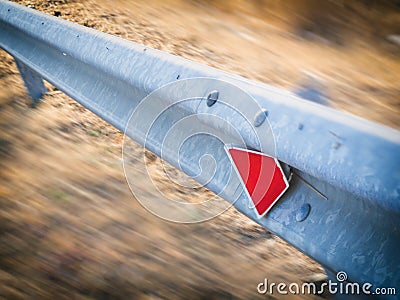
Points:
(227, 148)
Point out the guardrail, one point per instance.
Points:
(343, 204)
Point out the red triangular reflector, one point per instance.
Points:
(262, 177)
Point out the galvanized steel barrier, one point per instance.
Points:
(343, 204)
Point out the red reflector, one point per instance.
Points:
(262, 177)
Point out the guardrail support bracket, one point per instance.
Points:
(32, 80)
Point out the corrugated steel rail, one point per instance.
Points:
(353, 163)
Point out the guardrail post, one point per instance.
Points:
(32, 80)
(343, 205)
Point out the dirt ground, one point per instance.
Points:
(69, 226)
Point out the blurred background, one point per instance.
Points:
(69, 226)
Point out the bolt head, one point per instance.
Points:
(337, 145)
(260, 117)
(303, 212)
(212, 98)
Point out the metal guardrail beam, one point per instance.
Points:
(353, 162)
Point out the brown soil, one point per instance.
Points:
(69, 226)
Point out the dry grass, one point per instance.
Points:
(69, 226)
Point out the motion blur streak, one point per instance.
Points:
(68, 225)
